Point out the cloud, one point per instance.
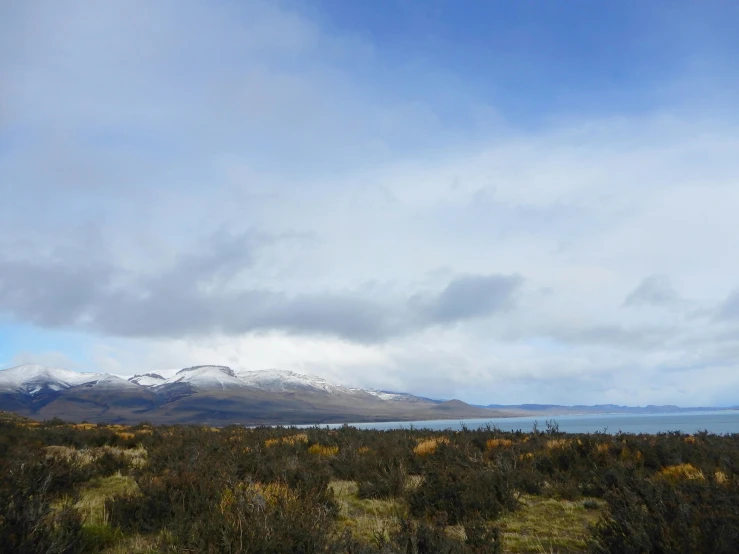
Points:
(729, 308)
(655, 290)
(276, 190)
(51, 359)
(200, 294)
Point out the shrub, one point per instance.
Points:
(459, 495)
(322, 450)
(29, 520)
(429, 446)
(682, 471)
(388, 479)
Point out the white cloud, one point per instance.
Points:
(137, 131)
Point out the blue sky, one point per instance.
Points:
(538, 60)
(498, 201)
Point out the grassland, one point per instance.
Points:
(69, 488)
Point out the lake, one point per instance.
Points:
(718, 422)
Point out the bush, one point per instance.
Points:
(29, 521)
(657, 516)
(388, 479)
(459, 495)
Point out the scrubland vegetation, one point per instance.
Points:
(67, 488)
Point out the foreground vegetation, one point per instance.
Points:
(67, 488)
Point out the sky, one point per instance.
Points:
(502, 202)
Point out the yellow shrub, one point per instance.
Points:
(428, 446)
(295, 439)
(322, 450)
(527, 456)
(84, 426)
(363, 450)
(557, 443)
(682, 471)
(721, 477)
(117, 427)
(292, 440)
(498, 443)
(125, 436)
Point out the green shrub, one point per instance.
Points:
(459, 495)
(386, 480)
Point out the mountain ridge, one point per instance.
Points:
(211, 394)
(220, 395)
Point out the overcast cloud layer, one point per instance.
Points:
(267, 185)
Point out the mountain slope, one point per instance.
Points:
(211, 395)
(33, 379)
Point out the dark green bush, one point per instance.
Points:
(459, 495)
(387, 479)
(29, 521)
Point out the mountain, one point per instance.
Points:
(214, 395)
(35, 379)
(556, 409)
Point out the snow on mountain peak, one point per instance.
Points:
(206, 377)
(281, 380)
(34, 378)
(107, 381)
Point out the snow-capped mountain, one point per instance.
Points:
(33, 379)
(148, 379)
(223, 377)
(205, 377)
(206, 393)
(280, 380)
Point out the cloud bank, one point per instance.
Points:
(246, 184)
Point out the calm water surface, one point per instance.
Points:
(719, 422)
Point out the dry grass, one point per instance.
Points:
(548, 525)
(272, 493)
(682, 472)
(498, 443)
(136, 544)
(84, 426)
(721, 477)
(366, 518)
(92, 500)
(292, 440)
(413, 482)
(429, 446)
(118, 428)
(323, 450)
(134, 457)
(557, 443)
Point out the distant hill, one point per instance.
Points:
(555, 409)
(214, 395)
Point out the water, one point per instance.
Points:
(718, 422)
